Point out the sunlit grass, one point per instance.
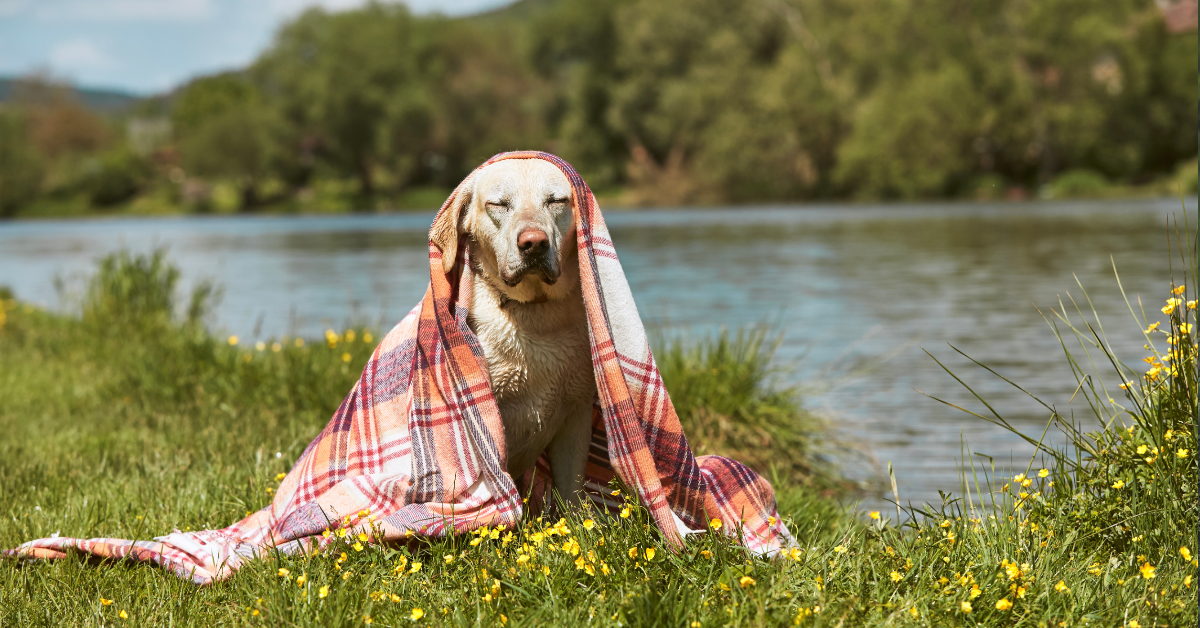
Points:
(133, 419)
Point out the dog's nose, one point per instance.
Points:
(532, 241)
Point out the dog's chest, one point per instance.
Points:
(539, 364)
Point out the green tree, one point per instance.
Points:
(21, 169)
(225, 130)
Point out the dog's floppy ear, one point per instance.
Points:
(446, 226)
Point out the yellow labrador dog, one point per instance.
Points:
(527, 311)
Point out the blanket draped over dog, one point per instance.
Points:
(419, 443)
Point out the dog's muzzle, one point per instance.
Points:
(543, 266)
(536, 256)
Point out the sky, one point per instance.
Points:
(148, 46)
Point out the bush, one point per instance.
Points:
(1079, 183)
(1188, 177)
(725, 392)
(115, 177)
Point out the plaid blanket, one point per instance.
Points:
(418, 445)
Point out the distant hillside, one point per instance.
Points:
(103, 100)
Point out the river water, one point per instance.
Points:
(856, 291)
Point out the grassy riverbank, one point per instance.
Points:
(128, 420)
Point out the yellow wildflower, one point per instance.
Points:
(1177, 290)
(358, 546)
(1003, 604)
(545, 570)
(301, 579)
(123, 615)
(283, 572)
(279, 477)
(874, 514)
(625, 512)
(1185, 553)
(1147, 570)
(1153, 326)
(896, 577)
(840, 549)
(1119, 484)
(503, 619)
(415, 567)
(1185, 328)
(345, 357)
(367, 337)
(746, 582)
(588, 524)
(946, 523)
(1043, 473)
(233, 340)
(1187, 581)
(1172, 303)
(649, 553)
(914, 612)
(323, 592)
(1182, 453)
(1191, 305)
(105, 602)
(1061, 587)
(1012, 569)
(706, 553)
(633, 552)
(965, 607)
(715, 524)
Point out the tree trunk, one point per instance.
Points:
(366, 186)
(249, 196)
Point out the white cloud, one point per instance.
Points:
(124, 10)
(77, 56)
(290, 8)
(455, 7)
(13, 7)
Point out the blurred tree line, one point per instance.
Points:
(661, 101)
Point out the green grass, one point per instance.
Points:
(132, 419)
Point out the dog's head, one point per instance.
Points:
(518, 213)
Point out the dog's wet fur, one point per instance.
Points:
(527, 311)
